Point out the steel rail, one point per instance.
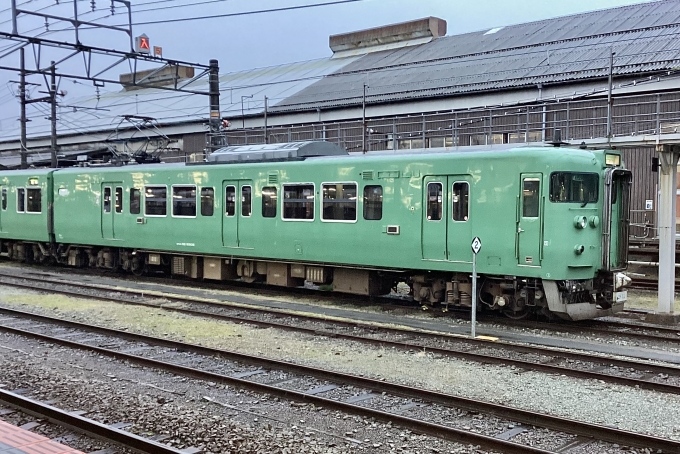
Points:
(85, 426)
(472, 356)
(604, 433)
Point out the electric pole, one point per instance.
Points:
(53, 117)
(23, 120)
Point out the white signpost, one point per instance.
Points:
(476, 247)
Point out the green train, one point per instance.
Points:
(553, 222)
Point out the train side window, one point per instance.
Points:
(246, 201)
(155, 200)
(530, 196)
(4, 199)
(298, 202)
(339, 202)
(107, 199)
(119, 200)
(207, 201)
(184, 201)
(21, 200)
(135, 201)
(230, 201)
(460, 196)
(373, 203)
(33, 200)
(434, 201)
(269, 199)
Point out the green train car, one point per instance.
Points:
(553, 222)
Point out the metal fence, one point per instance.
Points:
(576, 119)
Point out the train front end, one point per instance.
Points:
(596, 232)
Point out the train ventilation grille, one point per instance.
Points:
(273, 179)
(367, 175)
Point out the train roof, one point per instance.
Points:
(269, 156)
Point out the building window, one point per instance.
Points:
(33, 200)
(119, 200)
(155, 200)
(339, 202)
(460, 200)
(246, 201)
(434, 201)
(207, 201)
(269, 198)
(135, 201)
(373, 201)
(298, 202)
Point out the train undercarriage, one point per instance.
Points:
(514, 296)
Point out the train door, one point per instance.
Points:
(238, 211)
(112, 204)
(230, 214)
(459, 235)
(446, 227)
(3, 191)
(435, 210)
(619, 200)
(530, 220)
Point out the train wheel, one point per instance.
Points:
(516, 314)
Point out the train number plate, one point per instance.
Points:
(620, 296)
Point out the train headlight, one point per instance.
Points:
(580, 222)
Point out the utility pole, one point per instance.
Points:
(53, 117)
(23, 120)
(609, 98)
(214, 90)
(363, 123)
(266, 133)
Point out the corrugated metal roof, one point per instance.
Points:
(276, 82)
(643, 36)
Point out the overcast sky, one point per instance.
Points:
(256, 40)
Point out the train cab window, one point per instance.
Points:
(155, 200)
(119, 200)
(434, 201)
(373, 202)
(574, 187)
(230, 201)
(184, 201)
(460, 197)
(135, 201)
(207, 201)
(530, 197)
(269, 198)
(4, 199)
(339, 202)
(107, 199)
(298, 202)
(33, 200)
(246, 201)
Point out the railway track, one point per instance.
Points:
(628, 372)
(367, 397)
(88, 427)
